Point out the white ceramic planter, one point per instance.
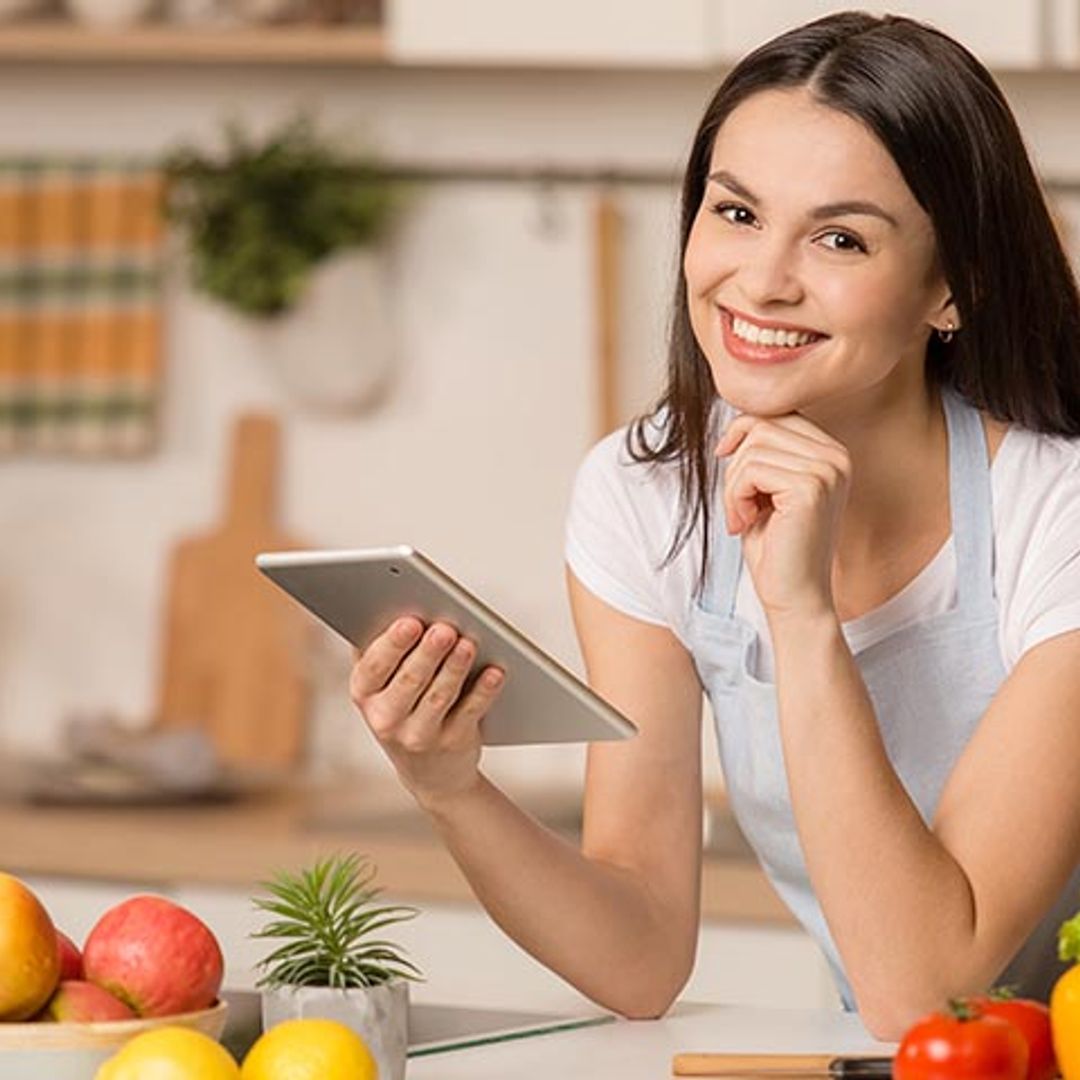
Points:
(334, 351)
(379, 1015)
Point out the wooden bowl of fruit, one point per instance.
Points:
(75, 1050)
(146, 964)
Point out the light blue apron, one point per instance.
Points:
(930, 683)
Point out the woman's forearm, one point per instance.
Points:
(866, 846)
(593, 923)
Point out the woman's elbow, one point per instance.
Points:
(649, 998)
(647, 1006)
(887, 1025)
(888, 1018)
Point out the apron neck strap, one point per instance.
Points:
(971, 517)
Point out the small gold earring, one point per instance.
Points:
(948, 333)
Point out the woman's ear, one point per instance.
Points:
(946, 318)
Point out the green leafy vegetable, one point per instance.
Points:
(262, 216)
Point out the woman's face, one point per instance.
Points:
(811, 271)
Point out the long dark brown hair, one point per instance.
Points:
(946, 123)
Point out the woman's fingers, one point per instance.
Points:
(421, 728)
(782, 477)
(788, 443)
(407, 693)
(451, 709)
(792, 432)
(464, 719)
(400, 696)
(376, 665)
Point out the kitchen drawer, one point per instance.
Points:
(1007, 34)
(555, 32)
(1004, 34)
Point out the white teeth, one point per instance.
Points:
(761, 336)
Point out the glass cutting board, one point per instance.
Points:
(433, 1028)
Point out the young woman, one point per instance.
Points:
(854, 520)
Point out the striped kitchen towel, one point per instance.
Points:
(80, 306)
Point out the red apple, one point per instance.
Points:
(155, 956)
(79, 1002)
(70, 958)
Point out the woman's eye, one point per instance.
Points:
(734, 213)
(843, 241)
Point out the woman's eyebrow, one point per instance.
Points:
(828, 210)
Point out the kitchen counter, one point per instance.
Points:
(643, 1049)
(240, 843)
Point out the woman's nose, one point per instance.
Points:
(770, 274)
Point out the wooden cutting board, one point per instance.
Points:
(234, 646)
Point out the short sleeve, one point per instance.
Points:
(1054, 575)
(1042, 540)
(607, 546)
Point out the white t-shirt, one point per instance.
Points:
(623, 515)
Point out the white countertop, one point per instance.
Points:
(643, 1049)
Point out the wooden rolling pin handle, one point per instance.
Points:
(778, 1065)
(741, 1064)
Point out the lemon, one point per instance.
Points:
(170, 1053)
(309, 1049)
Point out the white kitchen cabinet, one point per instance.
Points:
(465, 958)
(1005, 34)
(1063, 32)
(555, 32)
(75, 904)
(468, 960)
(770, 966)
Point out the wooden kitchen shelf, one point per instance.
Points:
(65, 42)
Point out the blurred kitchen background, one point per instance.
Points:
(437, 388)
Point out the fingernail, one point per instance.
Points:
(493, 678)
(405, 631)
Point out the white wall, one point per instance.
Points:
(472, 455)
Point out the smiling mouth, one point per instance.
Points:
(756, 344)
(758, 333)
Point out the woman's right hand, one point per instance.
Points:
(408, 686)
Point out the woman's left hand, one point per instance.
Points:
(785, 487)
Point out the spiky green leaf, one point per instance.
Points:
(324, 918)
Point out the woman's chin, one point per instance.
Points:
(756, 400)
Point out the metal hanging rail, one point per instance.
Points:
(549, 175)
(538, 175)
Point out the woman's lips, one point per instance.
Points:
(749, 353)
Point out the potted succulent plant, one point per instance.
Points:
(329, 961)
(287, 230)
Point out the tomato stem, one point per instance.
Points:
(1069, 939)
(963, 1009)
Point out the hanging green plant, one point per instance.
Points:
(263, 214)
(325, 917)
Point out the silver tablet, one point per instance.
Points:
(360, 593)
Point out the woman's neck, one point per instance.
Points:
(899, 493)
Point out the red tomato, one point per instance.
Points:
(961, 1045)
(1033, 1020)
